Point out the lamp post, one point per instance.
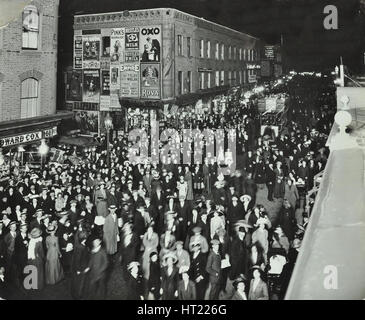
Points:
(108, 122)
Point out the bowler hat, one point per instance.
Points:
(35, 233)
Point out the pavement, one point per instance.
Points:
(116, 285)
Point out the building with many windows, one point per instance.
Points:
(28, 67)
(154, 57)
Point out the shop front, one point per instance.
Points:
(26, 143)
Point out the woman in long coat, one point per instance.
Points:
(79, 264)
(169, 275)
(150, 243)
(291, 193)
(101, 201)
(258, 288)
(36, 257)
(279, 187)
(189, 179)
(54, 271)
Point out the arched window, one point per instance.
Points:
(30, 27)
(29, 98)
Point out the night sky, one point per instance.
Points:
(307, 45)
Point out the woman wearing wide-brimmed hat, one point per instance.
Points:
(169, 275)
(54, 270)
(258, 287)
(36, 257)
(239, 285)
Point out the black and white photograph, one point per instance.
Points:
(190, 153)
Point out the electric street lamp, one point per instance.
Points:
(43, 150)
(108, 122)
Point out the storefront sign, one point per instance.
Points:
(265, 68)
(205, 70)
(28, 137)
(150, 44)
(252, 78)
(269, 52)
(129, 80)
(91, 86)
(150, 80)
(250, 66)
(91, 52)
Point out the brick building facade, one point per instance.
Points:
(28, 68)
(152, 58)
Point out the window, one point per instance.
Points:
(217, 51)
(240, 77)
(188, 46)
(201, 48)
(229, 52)
(188, 82)
(222, 78)
(179, 45)
(201, 80)
(244, 54)
(180, 88)
(222, 51)
(229, 77)
(208, 49)
(234, 53)
(29, 98)
(244, 76)
(209, 79)
(217, 78)
(30, 28)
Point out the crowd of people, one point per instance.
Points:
(172, 231)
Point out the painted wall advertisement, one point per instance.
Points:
(91, 86)
(91, 52)
(150, 80)
(117, 46)
(77, 52)
(150, 44)
(129, 80)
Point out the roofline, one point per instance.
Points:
(191, 15)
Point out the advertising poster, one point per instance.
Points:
(116, 46)
(105, 82)
(114, 78)
(104, 103)
(114, 100)
(129, 80)
(91, 52)
(132, 39)
(91, 86)
(87, 121)
(150, 80)
(73, 86)
(77, 52)
(131, 56)
(150, 44)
